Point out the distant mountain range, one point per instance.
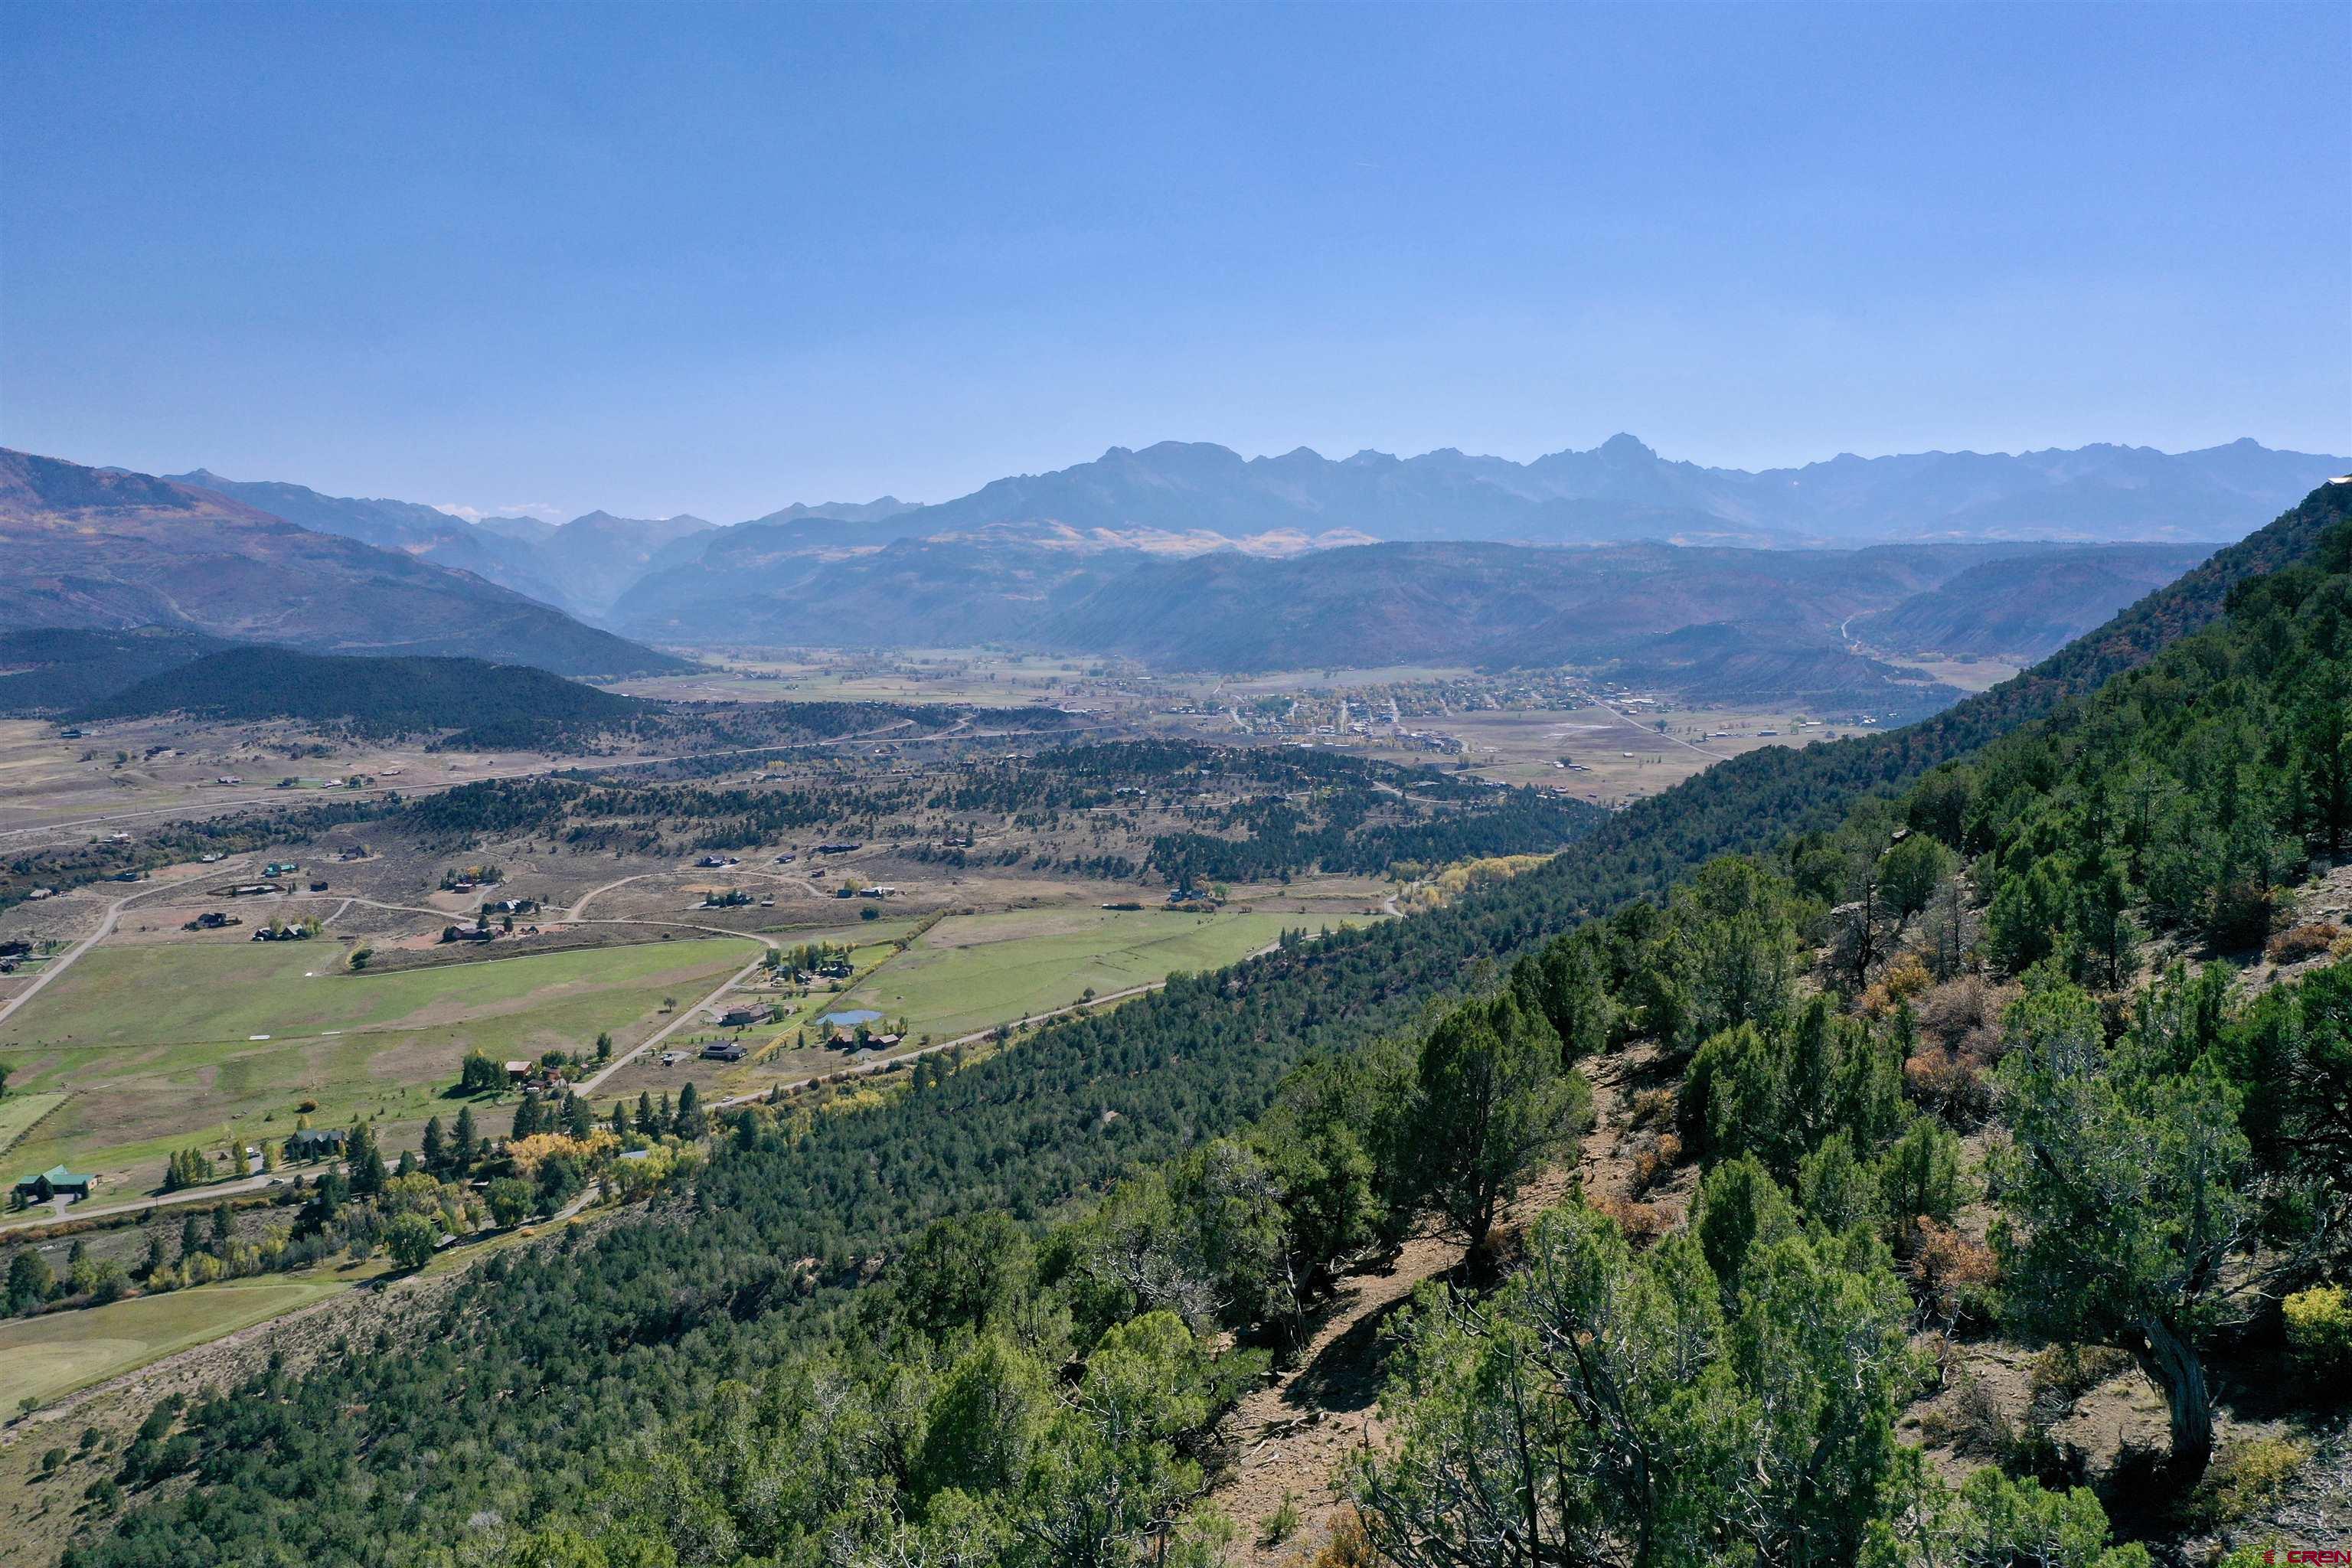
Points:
(1188, 555)
(1623, 490)
(1190, 498)
(1724, 622)
(100, 549)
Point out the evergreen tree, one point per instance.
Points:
(2127, 1191)
(621, 1119)
(647, 1126)
(368, 1170)
(191, 1236)
(435, 1153)
(1495, 1104)
(577, 1121)
(526, 1118)
(28, 1280)
(465, 1146)
(689, 1121)
(224, 1228)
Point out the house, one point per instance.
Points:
(315, 1143)
(54, 1182)
(724, 1051)
(518, 1071)
(740, 1018)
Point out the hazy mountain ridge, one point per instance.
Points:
(2025, 603)
(104, 549)
(1179, 496)
(409, 527)
(1623, 490)
(580, 566)
(1772, 616)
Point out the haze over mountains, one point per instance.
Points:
(105, 550)
(1185, 555)
(1623, 490)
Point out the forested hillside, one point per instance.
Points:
(52, 670)
(490, 706)
(104, 549)
(1044, 1400)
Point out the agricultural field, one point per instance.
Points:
(126, 773)
(45, 1358)
(965, 974)
(18, 1114)
(983, 680)
(1623, 755)
(973, 972)
(168, 1045)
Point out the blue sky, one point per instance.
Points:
(693, 258)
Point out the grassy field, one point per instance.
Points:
(969, 972)
(905, 675)
(158, 1043)
(46, 1358)
(19, 1111)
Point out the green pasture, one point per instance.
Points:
(46, 1358)
(19, 1111)
(155, 1043)
(971, 971)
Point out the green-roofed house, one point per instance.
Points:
(52, 1183)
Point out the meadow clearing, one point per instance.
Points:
(19, 1112)
(177, 1045)
(43, 1359)
(971, 971)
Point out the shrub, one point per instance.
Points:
(2246, 1476)
(2303, 942)
(1656, 1164)
(1949, 1273)
(1349, 1546)
(2063, 1374)
(1282, 1523)
(1641, 1223)
(1652, 1107)
(2319, 1331)
(1972, 1423)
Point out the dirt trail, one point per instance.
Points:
(1290, 1436)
